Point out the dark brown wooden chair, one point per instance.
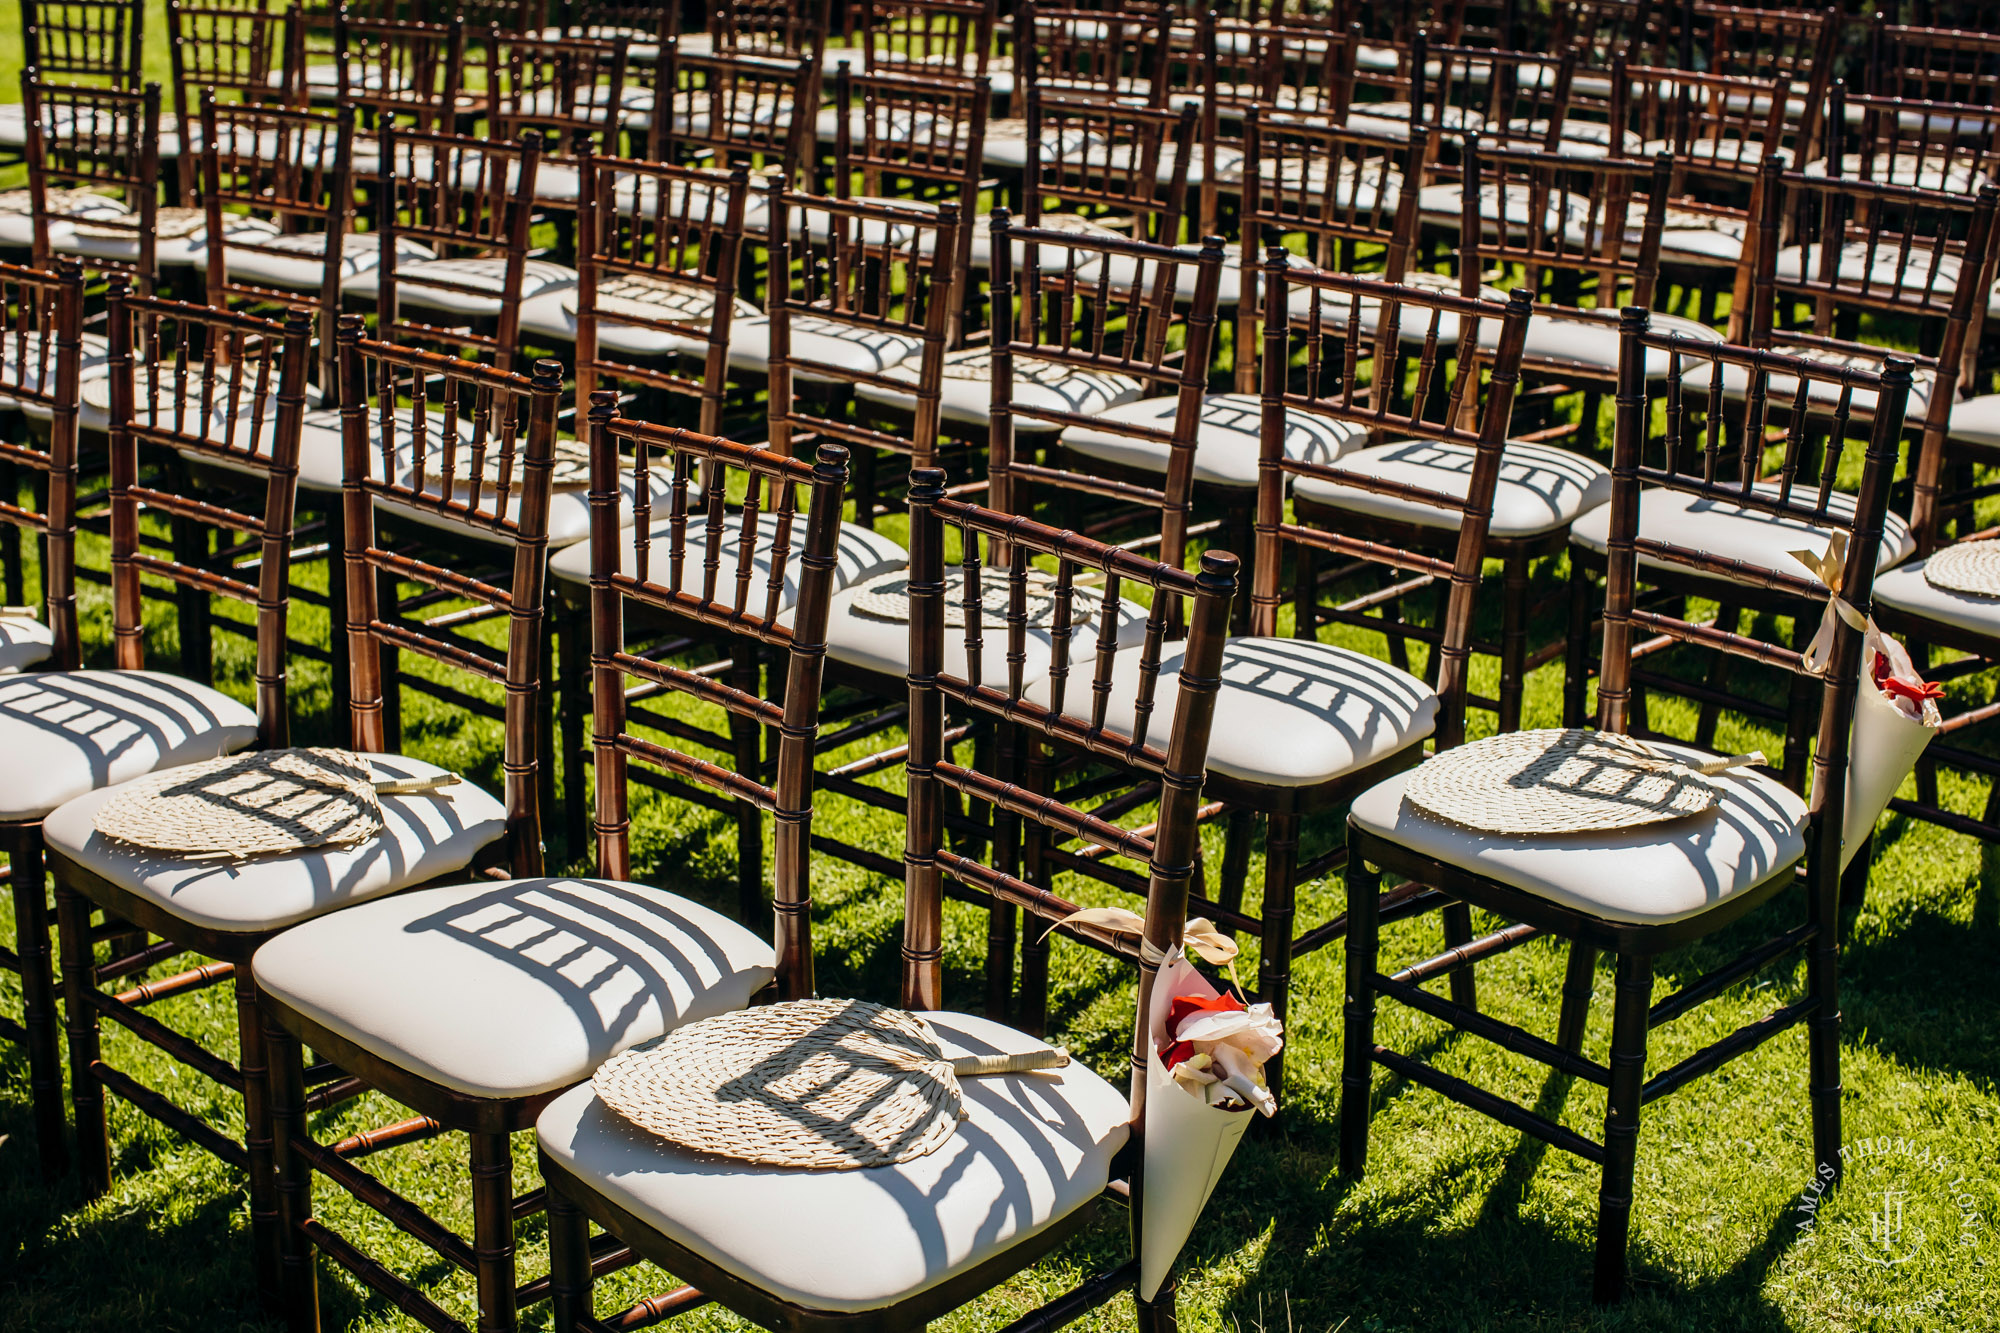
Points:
(450, 1000)
(1642, 892)
(846, 1249)
(41, 356)
(568, 90)
(83, 143)
(230, 389)
(405, 72)
(232, 52)
(89, 42)
(733, 110)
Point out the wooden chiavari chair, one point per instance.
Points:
(772, 29)
(230, 52)
(873, 1233)
(40, 363)
(1105, 56)
(646, 27)
(1794, 45)
(447, 999)
(728, 110)
(406, 73)
(89, 42)
(1640, 892)
(927, 39)
(916, 141)
(1929, 64)
(236, 386)
(570, 91)
(83, 143)
(1948, 146)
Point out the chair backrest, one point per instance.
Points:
(1745, 41)
(1948, 146)
(779, 29)
(657, 253)
(1570, 224)
(1003, 548)
(1107, 53)
(456, 197)
(85, 40)
(220, 387)
(924, 37)
(1697, 441)
(1246, 68)
(1092, 154)
(41, 357)
(569, 90)
(645, 24)
(1103, 306)
(409, 73)
(472, 446)
(727, 110)
(84, 142)
(1715, 125)
(233, 52)
(746, 598)
(1310, 366)
(1933, 64)
(290, 167)
(1515, 98)
(873, 268)
(1600, 31)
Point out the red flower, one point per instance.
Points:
(1183, 1008)
(1889, 684)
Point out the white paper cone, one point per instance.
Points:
(1188, 1142)
(1881, 751)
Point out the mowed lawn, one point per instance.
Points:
(1461, 1224)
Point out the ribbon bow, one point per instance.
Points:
(1199, 934)
(1831, 570)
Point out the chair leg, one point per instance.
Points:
(545, 705)
(575, 686)
(1731, 619)
(493, 1230)
(38, 1001)
(1158, 1315)
(1305, 594)
(1621, 1124)
(391, 670)
(1280, 909)
(1235, 871)
(1823, 1027)
(1357, 1068)
(265, 1230)
(1513, 639)
(748, 738)
(569, 1264)
(1458, 934)
(1032, 1005)
(1578, 981)
(336, 610)
(86, 1095)
(1576, 658)
(298, 1280)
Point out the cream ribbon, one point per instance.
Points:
(1831, 570)
(1198, 934)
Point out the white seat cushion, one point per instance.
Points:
(1592, 344)
(422, 837)
(966, 395)
(69, 732)
(874, 643)
(1291, 712)
(1976, 420)
(552, 315)
(359, 252)
(869, 351)
(1032, 1149)
(24, 364)
(1821, 395)
(1645, 876)
(1228, 288)
(1905, 589)
(1886, 267)
(191, 249)
(1541, 488)
(1227, 442)
(1444, 204)
(1704, 240)
(515, 988)
(861, 553)
(24, 641)
(1923, 171)
(1761, 540)
(486, 275)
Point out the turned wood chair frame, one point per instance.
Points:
(44, 333)
(402, 72)
(85, 39)
(568, 90)
(1637, 945)
(1171, 851)
(707, 112)
(1331, 390)
(258, 364)
(256, 54)
(724, 601)
(95, 139)
(929, 38)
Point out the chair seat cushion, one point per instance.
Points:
(1976, 420)
(24, 641)
(1705, 240)
(1291, 712)
(64, 733)
(1886, 266)
(1822, 396)
(1764, 541)
(422, 837)
(1905, 589)
(861, 553)
(1649, 875)
(1227, 442)
(966, 395)
(515, 988)
(24, 364)
(869, 351)
(874, 643)
(301, 263)
(1592, 344)
(1541, 488)
(192, 248)
(1032, 1149)
(487, 276)
(552, 315)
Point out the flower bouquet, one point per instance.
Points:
(1895, 716)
